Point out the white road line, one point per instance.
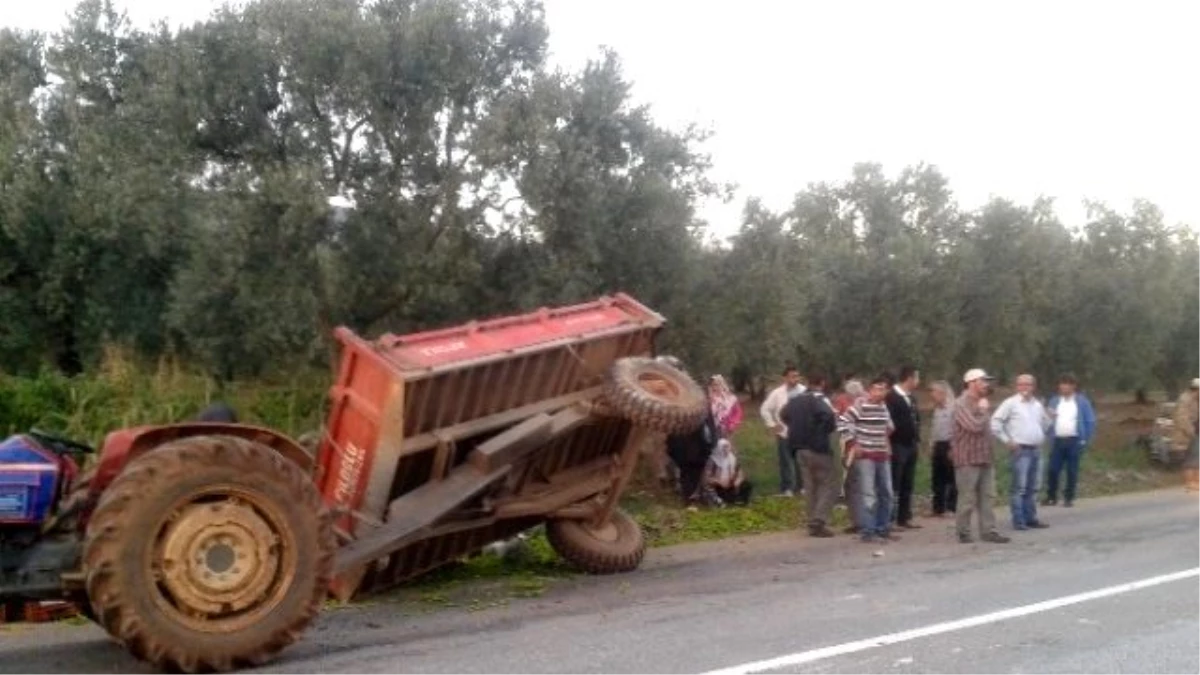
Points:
(948, 626)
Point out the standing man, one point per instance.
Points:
(971, 450)
(1074, 423)
(1185, 432)
(1020, 423)
(691, 452)
(902, 406)
(852, 390)
(866, 426)
(945, 495)
(779, 396)
(810, 420)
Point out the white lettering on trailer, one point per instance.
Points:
(348, 473)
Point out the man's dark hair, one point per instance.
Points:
(218, 412)
(816, 379)
(882, 378)
(906, 372)
(1067, 378)
(790, 368)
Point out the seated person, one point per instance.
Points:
(723, 478)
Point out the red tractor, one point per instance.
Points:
(208, 546)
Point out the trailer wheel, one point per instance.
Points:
(654, 395)
(207, 554)
(618, 546)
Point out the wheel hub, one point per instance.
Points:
(606, 532)
(218, 558)
(658, 386)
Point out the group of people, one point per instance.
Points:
(874, 427)
(879, 426)
(708, 471)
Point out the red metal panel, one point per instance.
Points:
(479, 339)
(357, 399)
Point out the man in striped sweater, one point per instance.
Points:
(866, 426)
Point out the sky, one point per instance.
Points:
(1097, 100)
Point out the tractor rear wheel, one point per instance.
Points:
(617, 546)
(654, 395)
(207, 554)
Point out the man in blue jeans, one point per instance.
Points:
(1074, 423)
(1020, 423)
(789, 477)
(866, 426)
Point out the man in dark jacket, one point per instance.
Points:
(690, 452)
(902, 405)
(810, 420)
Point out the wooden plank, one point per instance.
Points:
(413, 512)
(538, 431)
(506, 447)
(478, 426)
(548, 502)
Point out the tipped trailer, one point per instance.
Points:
(210, 546)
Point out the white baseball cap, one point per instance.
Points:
(1196, 383)
(976, 374)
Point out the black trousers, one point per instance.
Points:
(904, 472)
(690, 477)
(945, 492)
(739, 495)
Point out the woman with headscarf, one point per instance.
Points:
(723, 477)
(726, 408)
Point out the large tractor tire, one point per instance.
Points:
(655, 395)
(208, 554)
(617, 546)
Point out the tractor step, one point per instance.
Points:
(37, 612)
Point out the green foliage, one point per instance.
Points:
(122, 394)
(168, 192)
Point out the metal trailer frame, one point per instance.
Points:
(442, 442)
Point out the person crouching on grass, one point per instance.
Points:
(723, 477)
(866, 425)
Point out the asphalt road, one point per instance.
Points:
(724, 605)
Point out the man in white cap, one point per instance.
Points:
(971, 452)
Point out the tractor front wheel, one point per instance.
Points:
(616, 546)
(207, 554)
